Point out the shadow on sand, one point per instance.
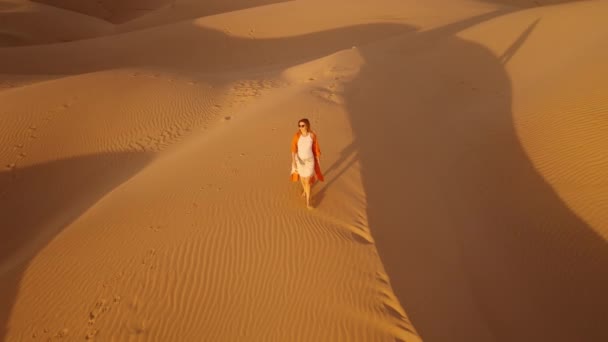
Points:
(478, 246)
(37, 202)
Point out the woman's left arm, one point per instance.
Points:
(316, 149)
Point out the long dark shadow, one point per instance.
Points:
(477, 245)
(512, 50)
(37, 202)
(348, 156)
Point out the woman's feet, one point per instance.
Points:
(306, 193)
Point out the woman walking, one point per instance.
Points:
(305, 154)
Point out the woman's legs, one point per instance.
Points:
(306, 186)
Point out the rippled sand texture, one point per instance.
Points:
(144, 170)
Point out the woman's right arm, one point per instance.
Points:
(294, 150)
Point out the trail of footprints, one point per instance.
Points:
(246, 90)
(330, 93)
(100, 308)
(20, 149)
(108, 302)
(158, 143)
(242, 92)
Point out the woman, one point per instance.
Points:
(305, 154)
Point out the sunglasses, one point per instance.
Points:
(302, 125)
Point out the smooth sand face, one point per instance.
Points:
(114, 11)
(145, 193)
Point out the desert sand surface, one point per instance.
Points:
(144, 170)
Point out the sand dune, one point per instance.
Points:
(26, 23)
(114, 11)
(181, 10)
(144, 193)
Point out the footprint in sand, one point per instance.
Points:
(138, 328)
(155, 228)
(149, 258)
(62, 333)
(91, 334)
(100, 307)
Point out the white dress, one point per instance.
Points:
(305, 159)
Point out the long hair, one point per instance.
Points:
(306, 122)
